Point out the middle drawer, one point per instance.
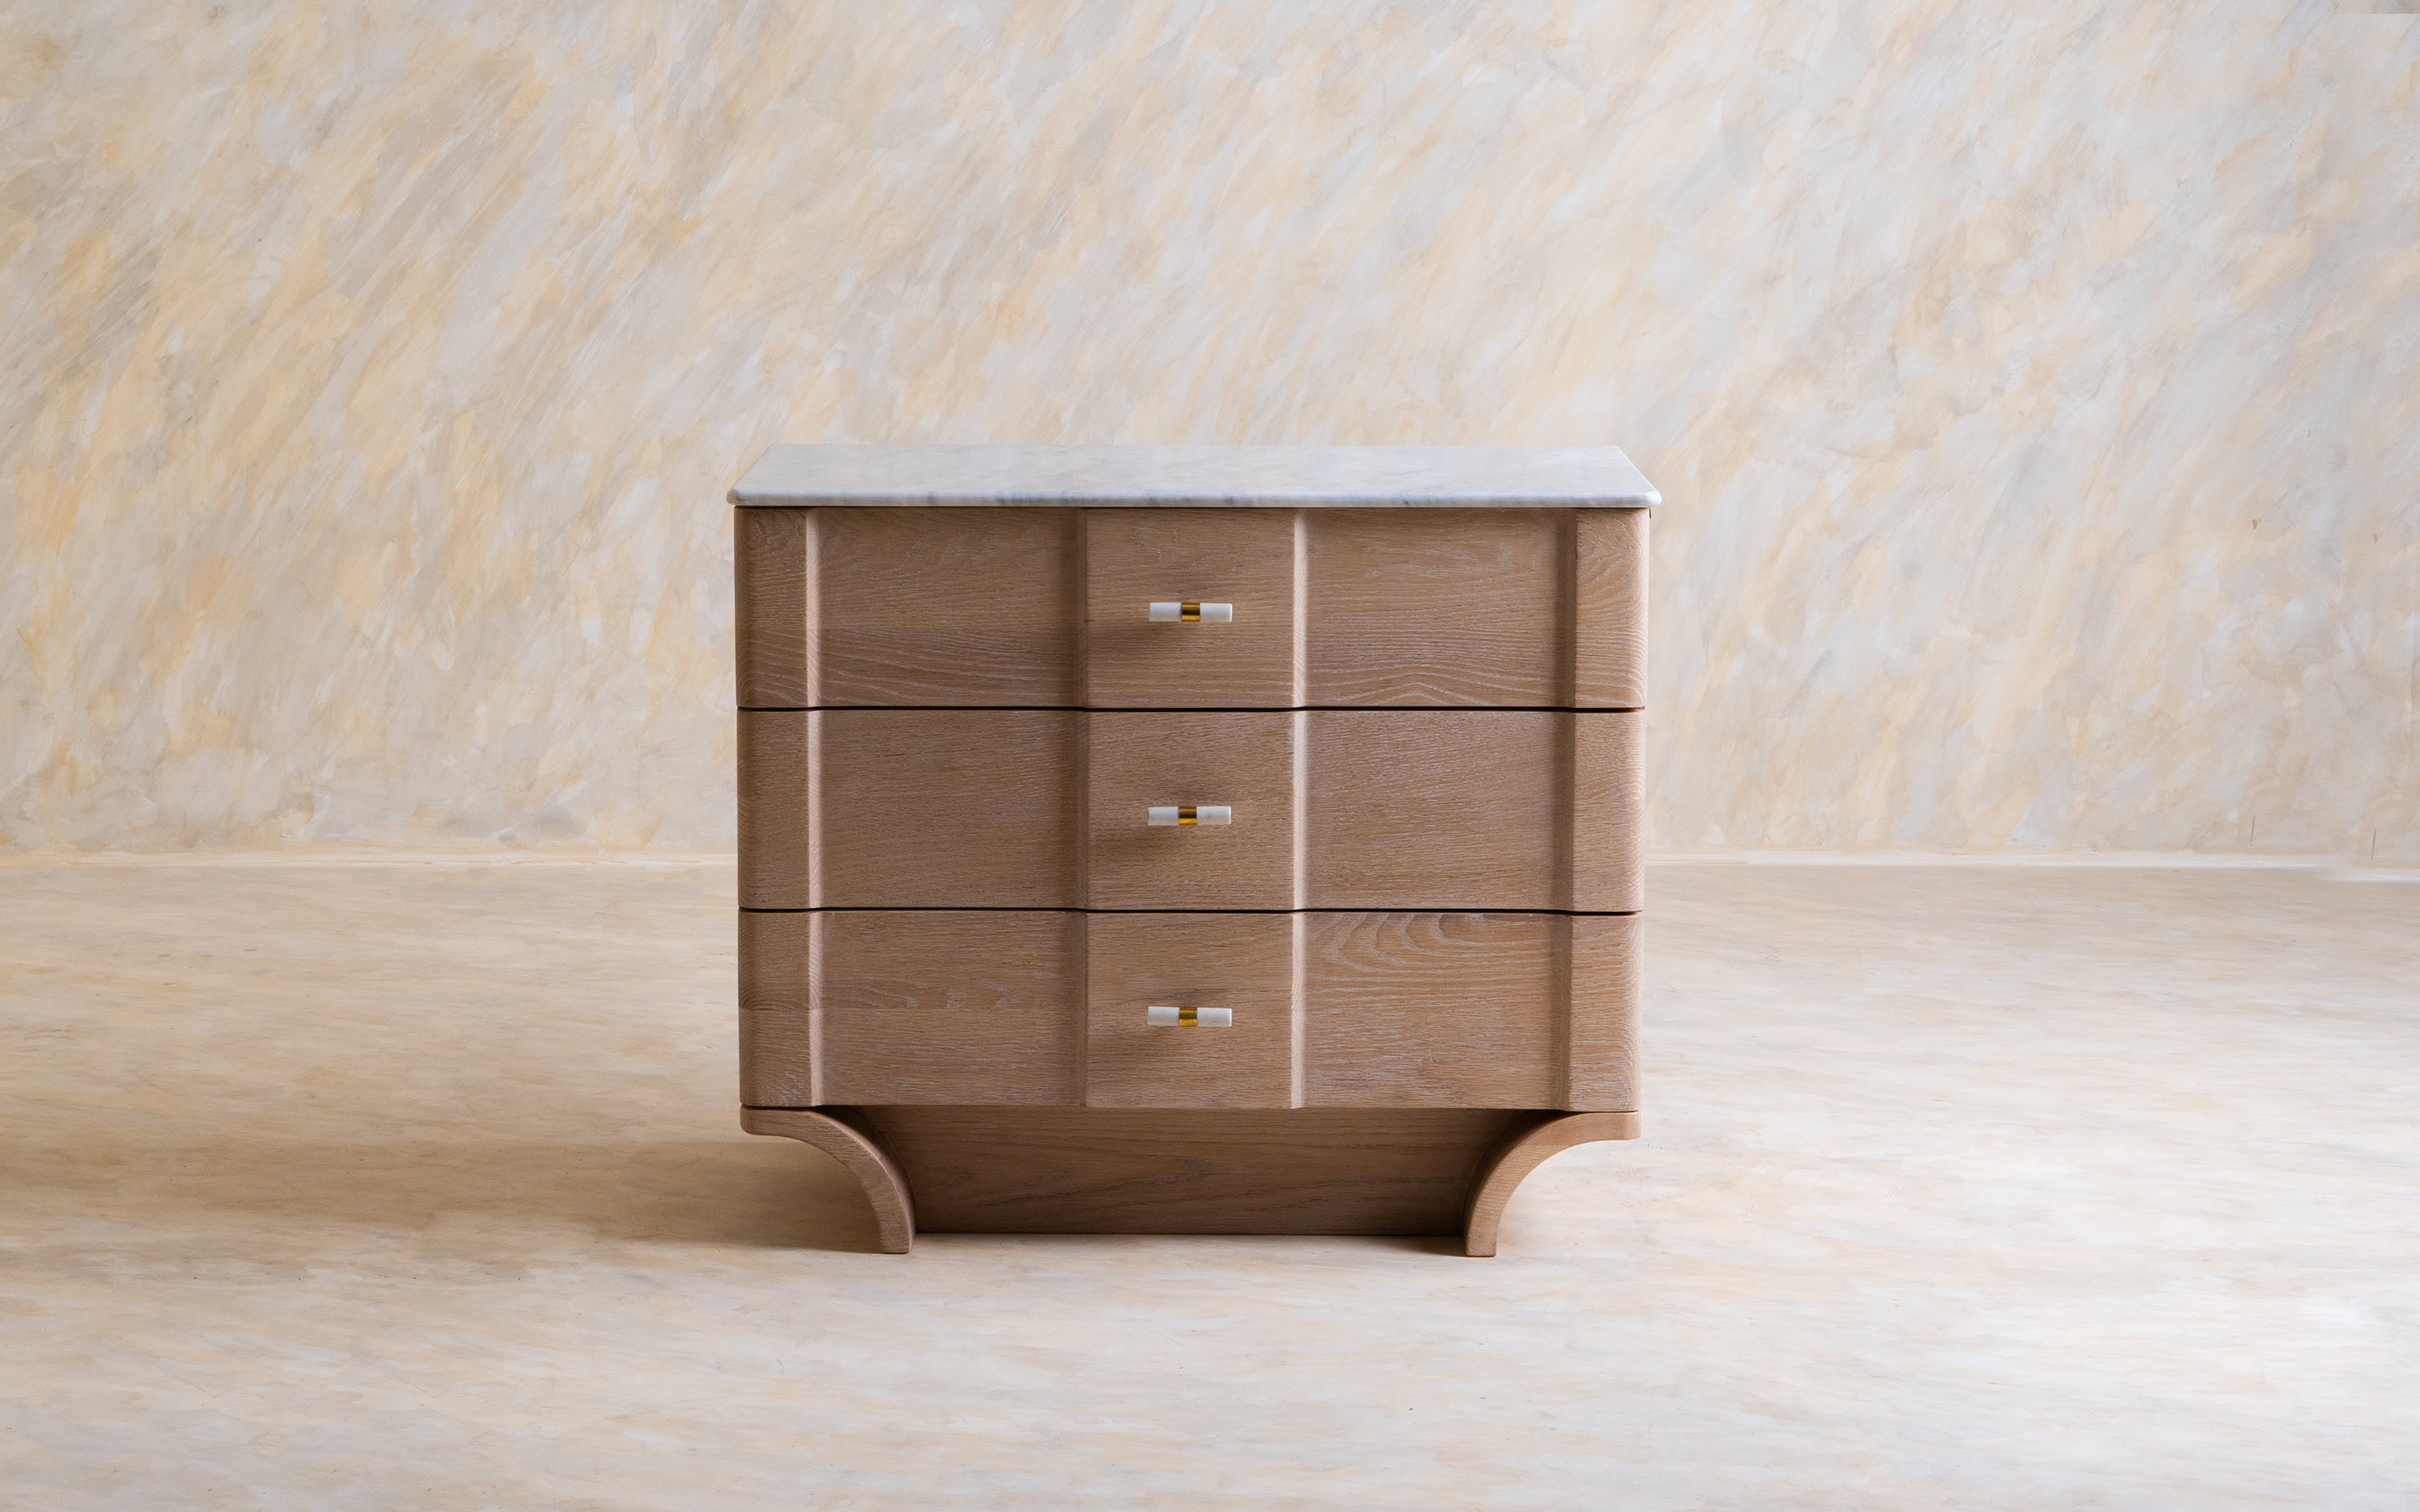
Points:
(1307, 809)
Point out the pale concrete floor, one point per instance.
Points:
(419, 1187)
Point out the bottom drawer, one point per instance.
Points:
(947, 1007)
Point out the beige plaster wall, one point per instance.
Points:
(2033, 386)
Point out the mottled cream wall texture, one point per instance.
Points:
(2032, 386)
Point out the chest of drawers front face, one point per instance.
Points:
(1178, 807)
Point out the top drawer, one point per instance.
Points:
(1192, 608)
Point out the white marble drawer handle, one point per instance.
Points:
(1189, 814)
(1190, 613)
(1187, 1016)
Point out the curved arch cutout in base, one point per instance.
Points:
(894, 1211)
(1523, 1150)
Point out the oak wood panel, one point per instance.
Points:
(776, 805)
(947, 808)
(1608, 849)
(1242, 760)
(839, 1136)
(943, 1006)
(776, 1010)
(1441, 606)
(772, 555)
(1133, 557)
(924, 606)
(1189, 1171)
(1472, 809)
(1609, 608)
(1241, 961)
(1606, 951)
(1523, 1148)
(1406, 1010)
(1437, 809)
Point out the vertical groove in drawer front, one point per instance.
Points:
(776, 841)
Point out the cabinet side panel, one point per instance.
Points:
(773, 608)
(776, 843)
(1606, 952)
(1608, 812)
(1611, 610)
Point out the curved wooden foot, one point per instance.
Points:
(895, 1214)
(1523, 1148)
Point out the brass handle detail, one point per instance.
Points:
(1188, 814)
(1167, 611)
(1187, 1016)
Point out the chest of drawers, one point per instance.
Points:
(1191, 839)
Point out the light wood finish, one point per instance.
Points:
(1435, 1010)
(1241, 961)
(1439, 607)
(777, 794)
(946, 606)
(1609, 608)
(1523, 1150)
(1245, 558)
(948, 1007)
(772, 552)
(886, 1189)
(1189, 1171)
(776, 1007)
(1454, 810)
(1602, 1052)
(1244, 760)
(908, 807)
(1608, 846)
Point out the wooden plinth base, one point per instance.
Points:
(1188, 1170)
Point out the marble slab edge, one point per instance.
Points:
(1223, 477)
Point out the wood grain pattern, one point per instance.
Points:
(1445, 607)
(777, 1058)
(1608, 846)
(1606, 966)
(776, 799)
(1522, 1149)
(1242, 962)
(841, 1137)
(1435, 1010)
(1609, 608)
(1189, 1171)
(1444, 809)
(946, 809)
(772, 557)
(1135, 761)
(941, 1006)
(969, 607)
(1241, 557)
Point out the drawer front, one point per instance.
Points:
(907, 607)
(1327, 1009)
(1236, 967)
(1418, 809)
(925, 1007)
(1243, 763)
(1240, 653)
(908, 809)
(1528, 608)
(1525, 1011)
(1331, 608)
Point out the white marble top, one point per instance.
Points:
(1225, 476)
